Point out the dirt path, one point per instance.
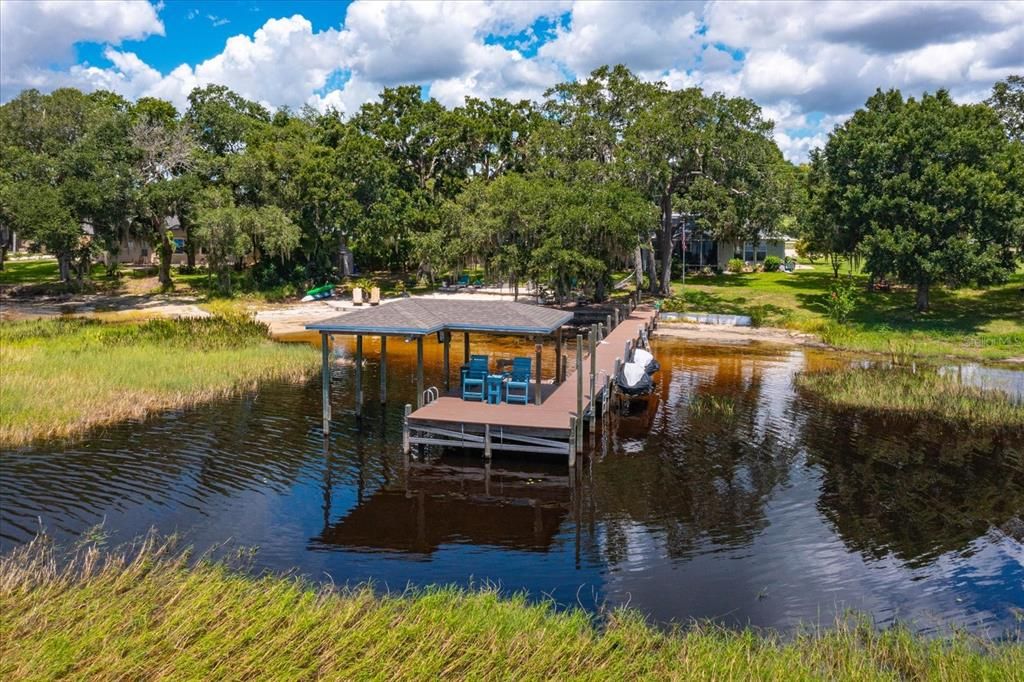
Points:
(715, 333)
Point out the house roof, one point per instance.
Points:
(421, 316)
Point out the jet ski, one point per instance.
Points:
(644, 358)
(633, 380)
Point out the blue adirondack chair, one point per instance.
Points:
(517, 388)
(473, 382)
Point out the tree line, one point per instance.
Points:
(562, 192)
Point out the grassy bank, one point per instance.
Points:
(153, 617)
(984, 324)
(924, 393)
(63, 376)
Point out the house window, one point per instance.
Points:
(179, 246)
(755, 252)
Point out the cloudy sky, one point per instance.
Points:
(808, 64)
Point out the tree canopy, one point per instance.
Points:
(560, 193)
(927, 190)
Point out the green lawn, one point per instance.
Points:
(38, 271)
(974, 323)
(108, 616)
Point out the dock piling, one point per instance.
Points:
(579, 391)
(325, 370)
(572, 441)
(593, 369)
(446, 364)
(359, 375)
(487, 441)
(406, 448)
(419, 372)
(536, 387)
(383, 370)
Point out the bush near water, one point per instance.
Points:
(150, 614)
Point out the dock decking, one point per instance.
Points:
(553, 426)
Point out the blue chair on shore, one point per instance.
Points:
(476, 376)
(517, 388)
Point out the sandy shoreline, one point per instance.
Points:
(716, 333)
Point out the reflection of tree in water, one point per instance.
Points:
(704, 474)
(912, 488)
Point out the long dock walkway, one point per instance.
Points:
(547, 427)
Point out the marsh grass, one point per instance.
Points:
(919, 393)
(63, 376)
(722, 407)
(153, 613)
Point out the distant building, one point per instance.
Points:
(135, 250)
(700, 249)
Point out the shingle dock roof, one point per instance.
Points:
(421, 316)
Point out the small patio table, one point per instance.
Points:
(494, 385)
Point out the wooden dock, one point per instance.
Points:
(555, 425)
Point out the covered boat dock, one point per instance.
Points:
(553, 423)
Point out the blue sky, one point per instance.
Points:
(809, 65)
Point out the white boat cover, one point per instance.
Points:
(633, 372)
(642, 358)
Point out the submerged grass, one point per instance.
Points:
(920, 393)
(63, 376)
(151, 614)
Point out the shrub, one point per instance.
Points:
(772, 264)
(734, 265)
(841, 299)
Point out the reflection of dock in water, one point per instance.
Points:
(449, 503)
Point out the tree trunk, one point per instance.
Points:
(652, 271)
(638, 266)
(836, 260)
(922, 295)
(64, 265)
(600, 289)
(665, 245)
(166, 250)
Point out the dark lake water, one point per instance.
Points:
(731, 496)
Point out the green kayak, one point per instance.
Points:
(315, 294)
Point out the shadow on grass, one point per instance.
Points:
(761, 314)
(951, 312)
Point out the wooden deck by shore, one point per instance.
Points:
(555, 425)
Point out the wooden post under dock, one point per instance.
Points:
(359, 375)
(579, 391)
(558, 357)
(536, 385)
(593, 370)
(383, 370)
(446, 367)
(487, 441)
(572, 441)
(419, 372)
(406, 445)
(325, 369)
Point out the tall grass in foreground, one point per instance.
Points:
(150, 616)
(61, 377)
(924, 393)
